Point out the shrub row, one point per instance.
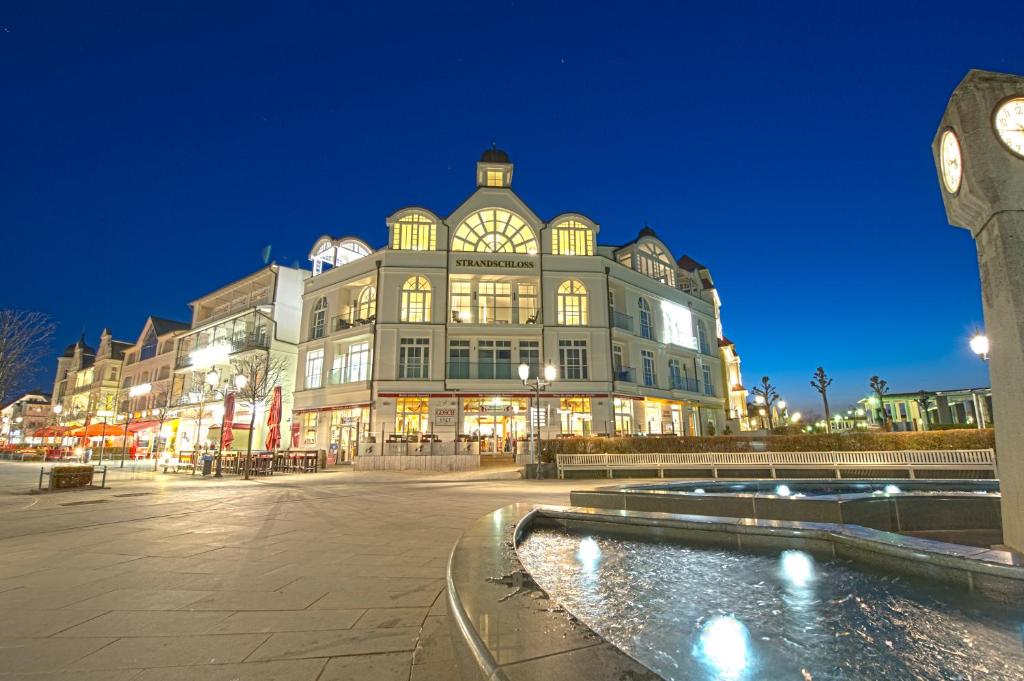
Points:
(807, 442)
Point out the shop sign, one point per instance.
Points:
(445, 416)
(491, 263)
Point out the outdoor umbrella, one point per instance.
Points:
(227, 435)
(274, 421)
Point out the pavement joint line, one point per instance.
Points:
(54, 634)
(258, 646)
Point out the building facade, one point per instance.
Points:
(931, 409)
(22, 417)
(422, 339)
(88, 382)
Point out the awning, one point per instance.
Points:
(136, 426)
(98, 430)
(50, 431)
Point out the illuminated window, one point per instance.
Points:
(314, 368)
(414, 358)
(415, 232)
(309, 428)
(415, 300)
(572, 303)
(572, 238)
(623, 416)
(494, 178)
(411, 416)
(528, 312)
(494, 231)
(575, 413)
(366, 303)
(646, 327)
(494, 300)
(462, 301)
(572, 358)
(318, 320)
(653, 261)
(359, 362)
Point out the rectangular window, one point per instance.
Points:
(650, 377)
(339, 369)
(903, 411)
(411, 416)
(617, 359)
(458, 359)
(494, 178)
(359, 362)
(414, 358)
(495, 358)
(494, 302)
(462, 302)
(623, 416)
(709, 385)
(572, 356)
(528, 304)
(675, 374)
(575, 415)
(309, 428)
(314, 368)
(529, 354)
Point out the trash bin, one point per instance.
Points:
(207, 464)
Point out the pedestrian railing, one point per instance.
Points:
(835, 462)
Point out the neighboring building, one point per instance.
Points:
(737, 413)
(88, 382)
(424, 336)
(258, 313)
(21, 418)
(147, 378)
(927, 410)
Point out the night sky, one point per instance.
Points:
(150, 154)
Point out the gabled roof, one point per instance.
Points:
(689, 264)
(163, 326)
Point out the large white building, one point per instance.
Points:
(423, 337)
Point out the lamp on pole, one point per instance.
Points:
(781, 404)
(550, 374)
(133, 392)
(979, 345)
(58, 409)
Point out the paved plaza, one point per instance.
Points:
(329, 577)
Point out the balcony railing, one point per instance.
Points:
(241, 343)
(499, 369)
(487, 314)
(350, 320)
(625, 375)
(349, 375)
(684, 383)
(621, 320)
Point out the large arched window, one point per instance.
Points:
(494, 231)
(653, 261)
(318, 320)
(646, 327)
(366, 303)
(415, 232)
(415, 300)
(572, 303)
(572, 237)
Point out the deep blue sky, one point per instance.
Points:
(148, 154)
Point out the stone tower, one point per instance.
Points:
(979, 156)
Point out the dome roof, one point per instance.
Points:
(494, 155)
(647, 231)
(69, 351)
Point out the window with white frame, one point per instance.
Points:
(415, 232)
(366, 303)
(650, 376)
(414, 358)
(702, 337)
(529, 354)
(653, 261)
(309, 420)
(572, 237)
(527, 303)
(359, 362)
(646, 322)
(494, 231)
(458, 358)
(675, 374)
(494, 302)
(617, 364)
(314, 368)
(415, 300)
(572, 303)
(709, 384)
(462, 301)
(318, 319)
(572, 358)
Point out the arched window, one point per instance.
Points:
(366, 303)
(415, 232)
(646, 327)
(318, 320)
(494, 231)
(148, 346)
(415, 300)
(572, 303)
(572, 237)
(653, 261)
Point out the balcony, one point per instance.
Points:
(497, 314)
(625, 375)
(247, 332)
(684, 383)
(500, 370)
(348, 375)
(352, 319)
(623, 321)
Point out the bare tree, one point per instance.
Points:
(24, 339)
(820, 382)
(880, 388)
(770, 395)
(262, 374)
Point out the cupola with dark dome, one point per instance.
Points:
(494, 169)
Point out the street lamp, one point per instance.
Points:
(58, 409)
(979, 345)
(133, 392)
(550, 374)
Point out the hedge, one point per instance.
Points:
(812, 442)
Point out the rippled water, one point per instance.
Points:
(697, 613)
(803, 488)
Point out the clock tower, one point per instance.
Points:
(979, 156)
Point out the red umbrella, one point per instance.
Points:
(227, 435)
(273, 440)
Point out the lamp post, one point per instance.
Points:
(58, 409)
(781, 404)
(102, 413)
(550, 374)
(979, 345)
(133, 392)
(211, 381)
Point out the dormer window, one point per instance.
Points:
(414, 232)
(572, 237)
(495, 178)
(494, 169)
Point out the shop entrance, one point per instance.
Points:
(496, 423)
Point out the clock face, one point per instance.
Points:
(1009, 124)
(952, 162)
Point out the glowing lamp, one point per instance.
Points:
(524, 371)
(241, 381)
(979, 345)
(550, 373)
